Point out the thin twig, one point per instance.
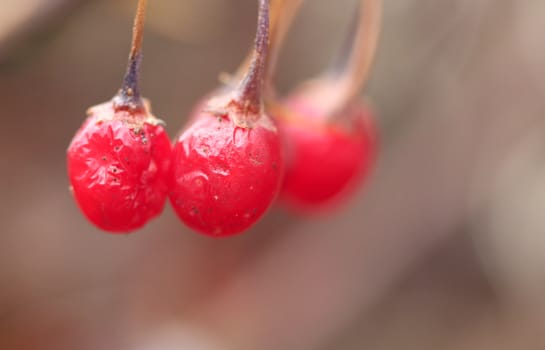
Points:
(129, 95)
(340, 84)
(138, 28)
(282, 14)
(251, 86)
(360, 60)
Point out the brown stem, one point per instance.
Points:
(138, 28)
(250, 90)
(362, 54)
(331, 92)
(129, 95)
(282, 15)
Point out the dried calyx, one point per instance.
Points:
(243, 102)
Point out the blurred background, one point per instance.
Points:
(443, 249)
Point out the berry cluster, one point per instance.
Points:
(243, 147)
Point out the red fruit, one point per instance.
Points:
(226, 176)
(118, 165)
(119, 160)
(227, 165)
(325, 160)
(329, 135)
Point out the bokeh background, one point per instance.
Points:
(443, 249)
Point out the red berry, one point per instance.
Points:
(329, 135)
(227, 165)
(325, 160)
(119, 160)
(226, 176)
(118, 165)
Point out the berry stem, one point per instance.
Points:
(352, 70)
(250, 90)
(138, 29)
(341, 83)
(129, 95)
(282, 14)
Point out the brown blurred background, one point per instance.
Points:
(444, 249)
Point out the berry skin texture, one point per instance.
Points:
(118, 166)
(325, 160)
(225, 176)
(227, 166)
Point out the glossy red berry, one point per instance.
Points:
(119, 160)
(227, 166)
(325, 161)
(118, 165)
